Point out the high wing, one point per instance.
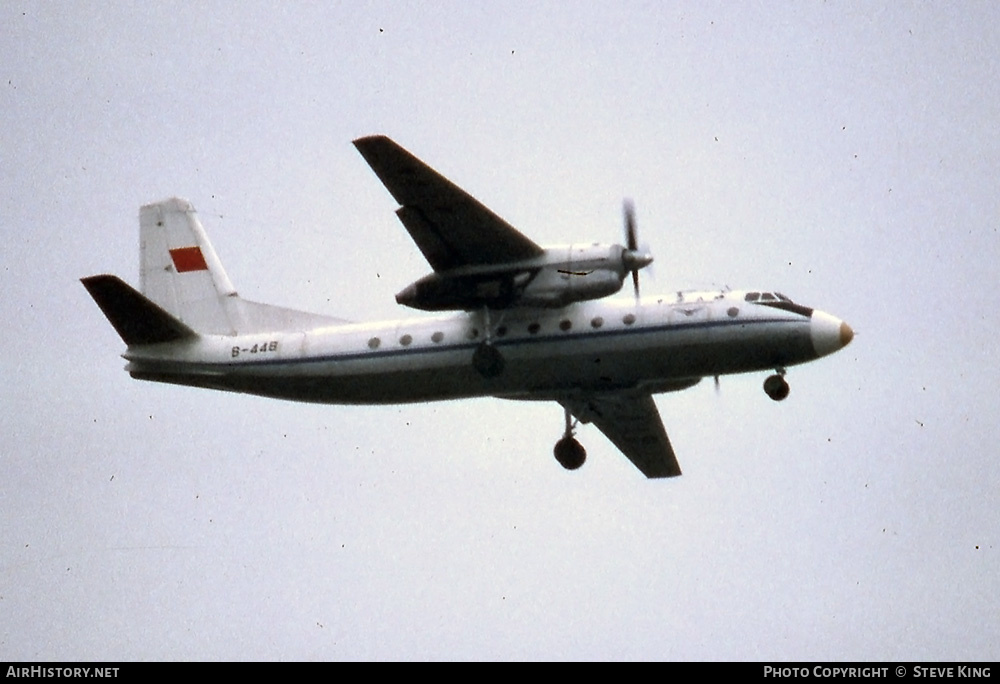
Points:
(450, 227)
(632, 423)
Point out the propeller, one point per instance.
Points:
(633, 258)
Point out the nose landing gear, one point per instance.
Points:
(569, 452)
(776, 386)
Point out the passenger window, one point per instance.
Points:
(596, 322)
(437, 337)
(628, 319)
(565, 324)
(534, 328)
(374, 342)
(405, 340)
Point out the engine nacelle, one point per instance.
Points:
(575, 274)
(556, 288)
(561, 276)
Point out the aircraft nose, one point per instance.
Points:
(829, 333)
(846, 334)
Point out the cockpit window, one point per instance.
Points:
(767, 297)
(776, 300)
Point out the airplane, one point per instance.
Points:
(512, 320)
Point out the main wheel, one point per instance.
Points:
(776, 387)
(488, 361)
(570, 453)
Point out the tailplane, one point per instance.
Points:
(136, 318)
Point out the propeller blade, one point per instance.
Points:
(632, 258)
(631, 240)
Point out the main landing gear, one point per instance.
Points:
(569, 452)
(776, 386)
(487, 359)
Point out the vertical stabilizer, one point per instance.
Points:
(180, 270)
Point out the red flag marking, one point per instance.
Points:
(188, 259)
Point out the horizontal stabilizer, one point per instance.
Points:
(137, 319)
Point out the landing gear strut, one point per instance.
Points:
(487, 359)
(569, 452)
(776, 386)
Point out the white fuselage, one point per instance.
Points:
(654, 344)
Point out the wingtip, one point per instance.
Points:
(92, 281)
(369, 139)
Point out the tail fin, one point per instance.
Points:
(180, 270)
(136, 318)
(185, 290)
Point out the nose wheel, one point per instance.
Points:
(569, 452)
(776, 386)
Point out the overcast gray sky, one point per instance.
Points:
(845, 154)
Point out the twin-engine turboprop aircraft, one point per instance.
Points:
(532, 323)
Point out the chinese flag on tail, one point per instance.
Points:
(188, 259)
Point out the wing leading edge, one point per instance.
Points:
(632, 423)
(450, 226)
